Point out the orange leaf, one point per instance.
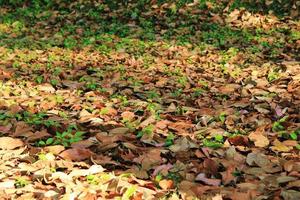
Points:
(166, 184)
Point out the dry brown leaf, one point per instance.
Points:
(9, 143)
(258, 137)
(55, 149)
(279, 146)
(127, 115)
(209, 181)
(166, 184)
(76, 154)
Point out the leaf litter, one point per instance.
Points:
(134, 118)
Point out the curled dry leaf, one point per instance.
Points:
(209, 181)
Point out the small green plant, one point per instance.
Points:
(215, 142)
(153, 107)
(295, 35)
(295, 134)
(277, 126)
(273, 75)
(39, 79)
(70, 42)
(170, 139)
(182, 81)
(197, 92)
(177, 93)
(131, 190)
(180, 110)
(222, 117)
(104, 111)
(92, 179)
(152, 94)
(130, 125)
(147, 130)
(124, 100)
(21, 182)
(54, 82)
(65, 138)
(91, 85)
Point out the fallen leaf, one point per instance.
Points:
(46, 87)
(239, 140)
(227, 176)
(127, 115)
(160, 168)
(209, 181)
(279, 146)
(55, 149)
(76, 154)
(166, 184)
(120, 130)
(182, 144)
(9, 143)
(290, 194)
(5, 129)
(258, 137)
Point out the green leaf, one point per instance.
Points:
(129, 193)
(219, 138)
(66, 144)
(222, 117)
(41, 143)
(212, 144)
(64, 134)
(49, 141)
(294, 136)
(79, 133)
(170, 139)
(158, 178)
(39, 79)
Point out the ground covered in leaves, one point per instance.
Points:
(151, 100)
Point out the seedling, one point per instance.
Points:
(222, 117)
(147, 130)
(215, 142)
(104, 111)
(177, 93)
(54, 82)
(39, 79)
(153, 107)
(277, 126)
(124, 100)
(91, 85)
(197, 92)
(129, 192)
(170, 139)
(182, 81)
(295, 134)
(152, 94)
(273, 75)
(180, 110)
(21, 182)
(92, 179)
(65, 138)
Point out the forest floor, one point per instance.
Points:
(163, 101)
